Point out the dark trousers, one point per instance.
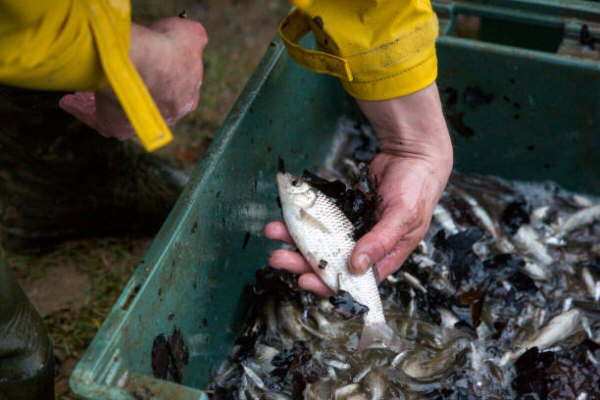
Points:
(26, 359)
(60, 179)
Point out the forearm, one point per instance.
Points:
(413, 127)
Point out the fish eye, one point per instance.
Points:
(294, 182)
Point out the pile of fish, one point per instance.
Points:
(499, 301)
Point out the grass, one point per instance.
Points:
(109, 262)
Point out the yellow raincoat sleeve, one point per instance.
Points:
(380, 49)
(77, 45)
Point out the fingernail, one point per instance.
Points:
(363, 262)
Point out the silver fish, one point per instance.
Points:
(378, 385)
(558, 328)
(443, 217)
(581, 218)
(535, 271)
(527, 241)
(486, 221)
(324, 235)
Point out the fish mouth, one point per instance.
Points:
(283, 180)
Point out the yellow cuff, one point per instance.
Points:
(399, 81)
(390, 63)
(77, 45)
(125, 81)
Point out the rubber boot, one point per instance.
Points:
(26, 359)
(60, 179)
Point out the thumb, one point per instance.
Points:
(382, 241)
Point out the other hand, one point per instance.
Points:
(168, 57)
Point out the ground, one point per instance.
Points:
(75, 284)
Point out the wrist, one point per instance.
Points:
(412, 126)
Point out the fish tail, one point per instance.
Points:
(378, 332)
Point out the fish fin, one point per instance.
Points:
(378, 332)
(309, 219)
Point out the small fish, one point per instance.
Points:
(324, 235)
(480, 213)
(486, 221)
(414, 282)
(443, 217)
(253, 376)
(347, 390)
(377, 385)
(527, 241)
(558, 328)
(534, 271)
(337, 364)
(590, 284)
(581, 218)
(426, 363)
(264, 355)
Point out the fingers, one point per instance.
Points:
(81, 105)
(98, 111)
(391, 262)
(290, 260)
(110, 116)
(310, 281)
(293, 261)
(278, 231)
(297, 264)
(391, 239)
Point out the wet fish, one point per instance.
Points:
(534, 271)
(581, 218)
(558, 328)
(325, 236)
(443, 217)
(528, 242)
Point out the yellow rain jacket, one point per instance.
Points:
(77, 45)
(380, 49)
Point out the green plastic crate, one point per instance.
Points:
(196, 274)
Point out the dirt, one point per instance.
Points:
(74, 287)
(42, 292)
(75, 284)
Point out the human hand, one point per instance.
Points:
(168, 57)
(411, 171)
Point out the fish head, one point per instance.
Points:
(293, 190)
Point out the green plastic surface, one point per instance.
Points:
(197, 273)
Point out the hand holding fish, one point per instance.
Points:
(411, 172)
